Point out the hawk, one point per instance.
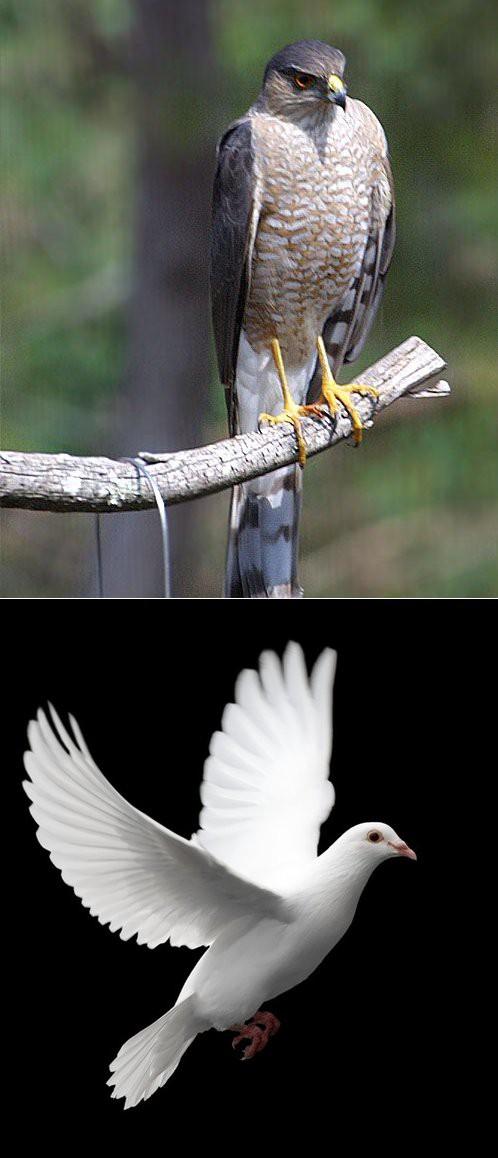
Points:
(302, 238)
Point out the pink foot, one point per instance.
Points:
(258, 1031)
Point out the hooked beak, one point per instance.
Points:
(402, 849)
(336, 91)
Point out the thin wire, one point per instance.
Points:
(100, 570)
(161, 509)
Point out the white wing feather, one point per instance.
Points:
(266, 789)
(128, 870)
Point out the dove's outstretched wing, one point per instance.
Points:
(266, 789)
(128, 870)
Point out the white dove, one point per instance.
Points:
(249, 884)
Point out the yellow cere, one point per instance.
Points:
(335, 83)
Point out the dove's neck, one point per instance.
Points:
(342, 864)
(336, 881)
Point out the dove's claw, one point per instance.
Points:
(258, 1031)
(256, 1042)
(267, 1021)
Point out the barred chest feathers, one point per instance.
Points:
(318, 187)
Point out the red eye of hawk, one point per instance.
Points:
(304, 80)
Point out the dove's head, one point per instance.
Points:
(374, 842)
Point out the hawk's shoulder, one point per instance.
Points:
(369, 124)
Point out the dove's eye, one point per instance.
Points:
(374, 837)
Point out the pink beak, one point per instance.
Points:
(403, 850)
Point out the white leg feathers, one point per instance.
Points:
(146, 1061)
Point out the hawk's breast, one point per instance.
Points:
(315, 191)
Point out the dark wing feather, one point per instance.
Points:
(232, 237)
(347, 330)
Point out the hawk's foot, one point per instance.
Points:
(292, 414)
(332, 394)
(258, 1031)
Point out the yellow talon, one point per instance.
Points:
(332, 393)
(291, 415)
(291, 412)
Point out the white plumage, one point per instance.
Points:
(249, 884)
(266, 789)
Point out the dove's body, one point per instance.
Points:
(253, 961)
(249, 884)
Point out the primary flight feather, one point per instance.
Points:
(248, 884)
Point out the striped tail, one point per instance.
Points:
(263, 537)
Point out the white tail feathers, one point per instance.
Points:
(146, 1061)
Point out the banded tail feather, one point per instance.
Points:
(263, 537)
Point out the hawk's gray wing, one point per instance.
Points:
(347, 330)
(234, 224)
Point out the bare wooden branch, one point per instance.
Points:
(62, 482)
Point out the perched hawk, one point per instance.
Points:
(302, 238)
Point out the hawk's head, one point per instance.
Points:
(304, 78)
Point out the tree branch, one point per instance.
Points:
(62, 482)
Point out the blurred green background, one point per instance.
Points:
(110, 114)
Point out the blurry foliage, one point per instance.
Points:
(414, 511)
(67, 193)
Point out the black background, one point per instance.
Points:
(373, 1036)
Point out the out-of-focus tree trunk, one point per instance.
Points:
(165, 400)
